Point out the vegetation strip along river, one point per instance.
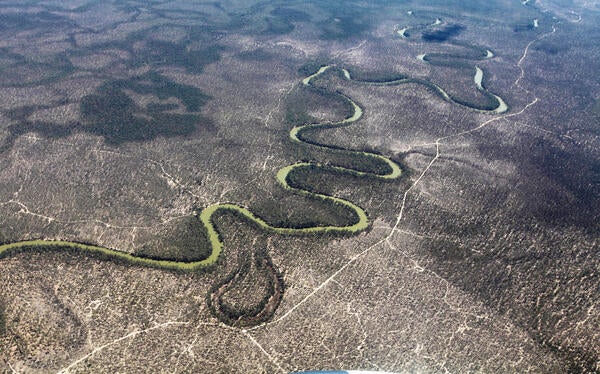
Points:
(206, 216)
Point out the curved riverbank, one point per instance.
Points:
(207, 214)
(390, 170)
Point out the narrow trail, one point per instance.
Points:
(297, 134)
(437, 144)
(387, 170)
(206, 216)
(130, 335)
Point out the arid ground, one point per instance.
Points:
(404, 186)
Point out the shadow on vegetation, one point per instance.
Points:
(564, 181)
(185, 240)
(523, 27)
(20, 21)
(442, 34)
(343, 27)
(158, 53)
(258, 54)
(114, 115)
(281, 20)
(551, 48)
